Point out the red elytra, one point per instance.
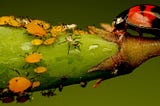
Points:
(144, 18)
(141, 18)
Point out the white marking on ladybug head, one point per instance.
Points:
(119, 20)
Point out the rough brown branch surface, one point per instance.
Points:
(133, 51)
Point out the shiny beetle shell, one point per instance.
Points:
(142, 18)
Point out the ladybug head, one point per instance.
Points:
(119, 23)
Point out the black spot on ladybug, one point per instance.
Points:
(142, 8)
(156, 22)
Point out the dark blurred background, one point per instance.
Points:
(140, 88)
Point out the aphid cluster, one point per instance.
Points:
(20, 87)
(42, 32)
(16, 92)
(33, 59)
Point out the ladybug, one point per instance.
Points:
(144, 18)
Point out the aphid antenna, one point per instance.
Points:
(27, 73)
(35, 50)
(34, 77)
(15, 70)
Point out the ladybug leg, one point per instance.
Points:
(121, 35)
(118, 34)
(125, 27)
(123, 32)
(140, 34)
(115, 70)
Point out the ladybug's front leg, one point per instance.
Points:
(140, 34)
(120, 33)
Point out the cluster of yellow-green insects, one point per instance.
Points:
(43, 34)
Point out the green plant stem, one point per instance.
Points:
(65, 64)
(98, 56)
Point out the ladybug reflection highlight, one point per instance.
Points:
(144, 18)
